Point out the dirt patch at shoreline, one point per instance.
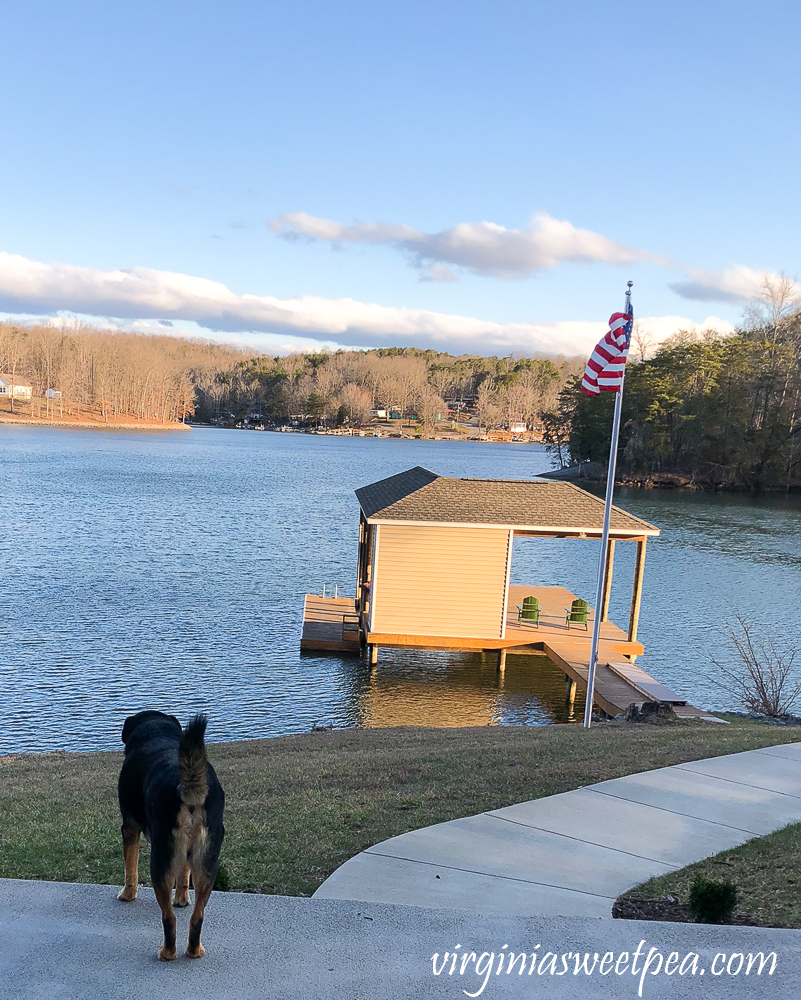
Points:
(92, 423)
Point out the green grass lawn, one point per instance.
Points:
(766, 871)
(298, 806)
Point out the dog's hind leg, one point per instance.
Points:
(203, 887)
(182, 887)
(163, 868)
(130, 849)
(163, 891)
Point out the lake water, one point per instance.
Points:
(168, 571)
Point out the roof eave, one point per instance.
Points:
(542, 529)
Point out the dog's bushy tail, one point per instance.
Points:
(192, 762)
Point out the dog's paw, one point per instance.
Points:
(199, 952)
(166, 955)
(127, 894)
(180, 901)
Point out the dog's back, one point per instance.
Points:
(169, 791)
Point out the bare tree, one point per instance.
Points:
(328, 380)
(779, 298)
(357, 401)
(775, 316)
(487, 408)
(763, 681)
(410, 377)
(430, 407)
(530, 395)
(441, 380)
(642, 341)
(391, 393)
(12, 352)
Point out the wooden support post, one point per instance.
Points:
(607, 591)
(636, 596)
(570, 691)
(373, 655)
(360, 564)
(501, 660)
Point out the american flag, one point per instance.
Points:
(605, 368)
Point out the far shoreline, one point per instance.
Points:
(97, 425)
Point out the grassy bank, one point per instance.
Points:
(766, 871)
(297, 807)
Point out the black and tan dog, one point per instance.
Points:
(168, 790)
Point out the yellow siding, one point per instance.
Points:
(440, 581)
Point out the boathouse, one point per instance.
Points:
(435, 554)
(433, 572)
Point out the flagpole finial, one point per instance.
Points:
(627, 307)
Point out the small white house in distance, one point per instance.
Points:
(517, 427)
(9, 386)
(53, 394)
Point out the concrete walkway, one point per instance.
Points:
(573, 854)
(61, 941)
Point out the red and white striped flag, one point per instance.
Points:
(604, 371)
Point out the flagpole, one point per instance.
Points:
(610, 488)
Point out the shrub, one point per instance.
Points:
(763, 682)
(712, 902)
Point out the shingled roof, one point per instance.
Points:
(419, 495)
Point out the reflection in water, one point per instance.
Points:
(462, 689)
(167, 571)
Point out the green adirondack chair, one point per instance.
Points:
(529, 612)
(576, 614)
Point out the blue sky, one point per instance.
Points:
(463, 175)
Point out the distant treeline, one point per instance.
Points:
(114, 374)
(172, 378)
(348, 386)
(724, 411)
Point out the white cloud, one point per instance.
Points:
(663, 327)
(147, 299)
(437, 272)
(273, 344)
(483, 248)
(738, 285)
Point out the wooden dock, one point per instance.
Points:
(331, 624)
(618, 682)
